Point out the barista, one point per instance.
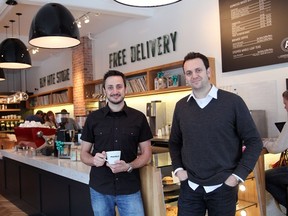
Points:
(69, 123)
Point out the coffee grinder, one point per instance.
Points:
(62, 134)
(156, 112)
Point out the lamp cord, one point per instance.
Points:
(12, 21)
(19, 14)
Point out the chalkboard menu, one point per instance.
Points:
(253, 33)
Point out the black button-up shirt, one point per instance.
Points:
(109, 131)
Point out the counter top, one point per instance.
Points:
(75, 170)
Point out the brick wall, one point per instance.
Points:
(82, 70)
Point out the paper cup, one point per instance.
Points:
(113, 156)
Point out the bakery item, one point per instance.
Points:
(171, 211)
(167, 180)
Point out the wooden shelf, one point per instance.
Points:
(58, 97)
(93, 89)
(1, 119)
(10, 114)
(10, 110)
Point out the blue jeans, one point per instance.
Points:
(128, 205)
(220, 202)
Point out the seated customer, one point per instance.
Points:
(38, 117)
(277, 178)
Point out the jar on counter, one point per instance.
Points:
(73, 154)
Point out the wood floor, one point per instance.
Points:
(7, 208)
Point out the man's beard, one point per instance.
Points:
(115, 102)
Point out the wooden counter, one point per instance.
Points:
(72, 175)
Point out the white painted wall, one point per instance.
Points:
(52, 65)
(198, 26)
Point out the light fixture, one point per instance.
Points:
(146, 3)
(35, 50)
(2, 74)
(86, 19)
(54, 27)
(78, 23)
(14, 53)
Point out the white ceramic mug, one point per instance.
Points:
(112, 156)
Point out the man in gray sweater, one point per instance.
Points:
(210, 129)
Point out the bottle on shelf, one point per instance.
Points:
(3, 126)
(12, 125)
(8, 126)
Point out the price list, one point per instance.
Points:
(253, 33)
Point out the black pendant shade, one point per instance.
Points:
(54, 27)
(2, 74)
(14, 54)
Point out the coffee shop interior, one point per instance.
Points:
(148, 45)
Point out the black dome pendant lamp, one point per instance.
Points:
(14, 53)
(11, 2)
(54, 27)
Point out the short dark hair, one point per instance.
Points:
(194, 55)
(39, 112)
(285, 94)
(64, 111)
(113, 73)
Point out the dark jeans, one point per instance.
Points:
(276, 183)
(220, 202)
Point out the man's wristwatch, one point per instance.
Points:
(130, 169)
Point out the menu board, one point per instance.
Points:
(253, 33)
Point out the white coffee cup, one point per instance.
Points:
(113, 156)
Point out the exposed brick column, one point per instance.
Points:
(82, 68)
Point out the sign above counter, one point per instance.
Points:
(149, 49)
(54, 78)
(253, 33)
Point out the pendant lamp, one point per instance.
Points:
(2, 74)
(14, 53)
(146, 3)
(11, 2)
(54, 27)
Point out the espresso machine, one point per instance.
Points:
(156, 113)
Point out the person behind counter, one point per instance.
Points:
(277, 178)
(50, 119)
(208, 129)
(71, 123)
(38, 117)
(116, 127)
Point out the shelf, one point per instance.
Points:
(244, 204)
(143, 81)
(10, 110)
(16, 119)
(7, 131)
(58, 97)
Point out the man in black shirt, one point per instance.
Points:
(116, 127)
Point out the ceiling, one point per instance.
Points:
(103, 14)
